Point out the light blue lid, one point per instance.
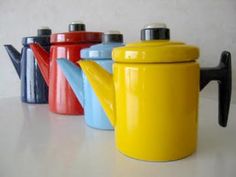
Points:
(99, 51)
(110, 40)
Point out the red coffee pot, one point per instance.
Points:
(62, 99)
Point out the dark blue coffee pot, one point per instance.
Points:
(33, 87)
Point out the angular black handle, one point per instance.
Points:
(223, 75)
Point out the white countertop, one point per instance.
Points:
(37, 143)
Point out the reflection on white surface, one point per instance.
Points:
(37, 143)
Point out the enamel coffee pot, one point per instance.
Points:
(33, 87)
(101, 53)
(62, 99)
(152, 96)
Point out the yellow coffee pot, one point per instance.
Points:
(152, 96)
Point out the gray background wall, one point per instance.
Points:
(209, 24)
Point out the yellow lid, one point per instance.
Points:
(153, 49)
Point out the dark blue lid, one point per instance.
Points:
(43, 37)
(101, 51)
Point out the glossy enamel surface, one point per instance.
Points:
(62, 99)
(102, 85)
(33, 86)
(156, 110)
(153, 51)
(153, 107)
(76, 37)
(100, 51)
(94, 113)
(151, 99)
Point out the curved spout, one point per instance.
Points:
(42, 56)
(15, 57)
(73, 75)
(102, 83)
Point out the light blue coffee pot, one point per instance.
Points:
(101, 53)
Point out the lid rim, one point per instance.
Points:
(76, 37)
(99, 51)
(155, 52)
(156, 62)
(42, 40)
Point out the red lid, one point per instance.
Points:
(76, 34)
(76, 37)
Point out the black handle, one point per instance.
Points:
(223, 75)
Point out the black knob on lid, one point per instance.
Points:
(77, 26)
(112, 36)
(155, 31)
(44, 31)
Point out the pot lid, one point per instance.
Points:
(43, 37)
(76, 34)
(110, 40)
(155, 47)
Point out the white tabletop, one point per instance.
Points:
(37, 143)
